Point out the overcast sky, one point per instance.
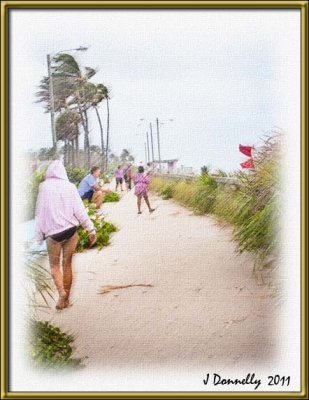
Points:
(224, 77)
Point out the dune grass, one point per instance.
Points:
(50, 347)
(253, 208)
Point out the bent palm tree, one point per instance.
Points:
(107, 131)
(100, 95)
(67, 130)
(82, 91)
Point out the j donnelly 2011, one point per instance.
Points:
(219, 380)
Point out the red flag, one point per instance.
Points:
(248, 164)
(246, 150)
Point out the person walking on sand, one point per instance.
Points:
(59, 212)
(119, 177)
(90, 189)
(141, 189)
(127, 174)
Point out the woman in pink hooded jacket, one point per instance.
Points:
(59, 212)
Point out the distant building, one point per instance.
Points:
(170, 165)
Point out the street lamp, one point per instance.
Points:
(158, 135)
(151, 140)
(145, 152)
(51, 91)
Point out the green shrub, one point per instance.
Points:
(111, 197)
(227, 204)
(204, 199)
(257, 232)
(105, 178)
(184, 192)
(103, 230)
(50, 347)
(157, 184)
(257, 219)
(207, 180)
(167, 191)
(76, 174)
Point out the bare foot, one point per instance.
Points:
(61, 303)
(68, 303)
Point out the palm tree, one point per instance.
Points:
(107, 131)
(100, 95)
(63, 86)
(68, 131)
(61, 90)
(73, 91)
(126, 156)
(82, 91)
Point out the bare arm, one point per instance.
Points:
(81, 213)
(96, 187)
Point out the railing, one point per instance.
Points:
(221, 180)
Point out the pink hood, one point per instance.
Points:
(59, 205)
(57, 170)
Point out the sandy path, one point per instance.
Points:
(204, 306)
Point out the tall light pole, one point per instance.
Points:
(145, 153)
(148, 152)
(52, 103)
(159, 144)
(51, 91)
(159, 149)
(147, 142)
(151, 140)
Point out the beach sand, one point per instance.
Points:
(202, 305)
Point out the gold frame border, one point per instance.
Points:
(150, 4)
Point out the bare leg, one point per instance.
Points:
(54, 251)
(148, 204)
(97, 198)
(69, 247)
(139, 202)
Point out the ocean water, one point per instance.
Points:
(28, 228)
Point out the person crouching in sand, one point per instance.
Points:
(89, 188)
(59, 212)
(141, 181)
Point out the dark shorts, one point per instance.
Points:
(64, 235)
(87, 195)
(119, 180)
